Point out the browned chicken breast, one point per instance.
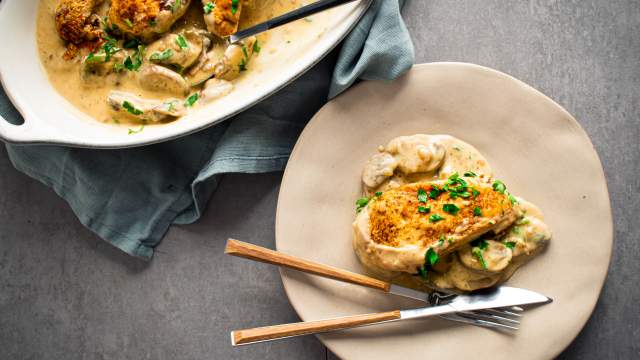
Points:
(146, 18)
(74, 21)
(222, 16)
(396, 229)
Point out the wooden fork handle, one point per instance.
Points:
(248, 336)
(254, 252)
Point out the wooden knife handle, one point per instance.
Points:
(248, 336)
(254, 252)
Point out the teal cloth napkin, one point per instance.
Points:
(130, 197)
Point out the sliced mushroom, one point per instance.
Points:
(131, 106)
(161, 79)
(180, 50)
(215, 89)
(493, 257)
(236, 58)
(205, 67)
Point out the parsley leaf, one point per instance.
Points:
(234, 6)
(435, 192)
(510, 244)
(132, 131)
(161, 56)
(191, 100)
(378, 193)
(477, 252)
(512, 199)
(422, 195)
(208, 7)
(180, 40)
(131, 109)
(477, 211)
(435, 218)
(424, 209)
(499, 186)
(361, 203)
(430, 257)
(128, 22)
(451, 208)
(256, 47)
(470, 174)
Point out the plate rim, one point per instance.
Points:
(534, 91)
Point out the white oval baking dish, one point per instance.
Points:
(51, 119)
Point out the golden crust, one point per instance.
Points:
(138, 13)
(225, 19)
(73, 21)
(396, 220)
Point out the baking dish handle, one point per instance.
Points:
(22, 134)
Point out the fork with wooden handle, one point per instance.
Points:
(496, 318)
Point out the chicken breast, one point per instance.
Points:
(396, 228)
(222, 16)
(146, 18)
(74, 21)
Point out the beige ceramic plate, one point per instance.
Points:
(533, 144)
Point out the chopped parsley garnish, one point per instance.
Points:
(477, 211)
(475, 192)
(161, 56)
(456, 187)
(523, 221)
(422, 271)
(243, 65)
(234, 6)
(510, 244)
(470, 174)
(131, 109)
(450, 208)
(191, 100)
(499, 186)
(133, 64)
(435, 218)
(422, 195)
(441, 240)
(512, 199)
(171, 106)
(132, 131)
(361, 203)
(176, 5)
(430, 257)
(91, 58)
(180, 40)
(256, 47)
(515, 230)
(128, 22)
(378, 193)
(424, 209)
(117, 67)
(477, 252)
(435, 192)
(208, 7)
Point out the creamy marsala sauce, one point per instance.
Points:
(484, 261)
(160, 90)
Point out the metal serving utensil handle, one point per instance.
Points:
(291, 16)
(258, 253)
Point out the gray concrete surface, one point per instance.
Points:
(65, 294)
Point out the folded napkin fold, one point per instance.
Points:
(130, 197)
